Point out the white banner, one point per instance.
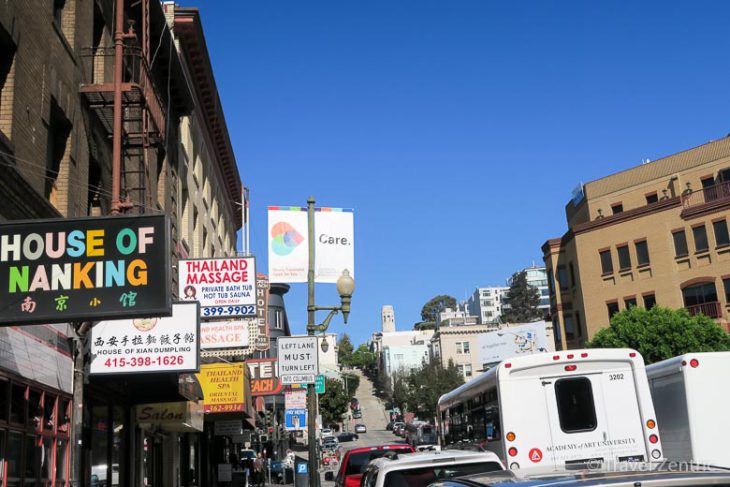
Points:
(224, 287)
(334, 243)
(148, 344)
(289, 246)
(295, 400)
(498, 345)
(224, 334)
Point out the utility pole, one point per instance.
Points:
(311, 394)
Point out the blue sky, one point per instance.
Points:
(456, 129)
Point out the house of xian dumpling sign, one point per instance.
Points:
(65, 270)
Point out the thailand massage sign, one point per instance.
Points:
(224, 287)
(63, 270)
(223, 387)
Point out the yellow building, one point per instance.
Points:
(652, 234)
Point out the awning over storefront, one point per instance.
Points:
(183, 416)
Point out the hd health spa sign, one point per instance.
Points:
(131, 346)
(224, 287)
(61, 270)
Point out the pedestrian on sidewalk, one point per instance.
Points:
(259, 477)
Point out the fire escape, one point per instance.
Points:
(137, 126)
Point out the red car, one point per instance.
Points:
(355, 462)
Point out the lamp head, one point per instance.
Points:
(345, 288)
(325, 345)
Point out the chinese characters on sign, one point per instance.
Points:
(147, 344)
(64, 270)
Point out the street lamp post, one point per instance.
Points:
(345, 288)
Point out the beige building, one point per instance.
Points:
(652, 234)
(459, 344)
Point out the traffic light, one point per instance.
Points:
(269, 418)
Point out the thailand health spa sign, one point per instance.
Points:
(223, 387)
(60, 270)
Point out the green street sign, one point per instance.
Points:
(319, 384)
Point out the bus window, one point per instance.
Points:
(576, 409)
(491, 419)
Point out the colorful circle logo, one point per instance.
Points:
(285, 238)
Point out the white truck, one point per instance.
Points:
(691, 403)
(557, 410)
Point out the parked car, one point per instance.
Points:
(360, 428)
(327, 432)
(330, 443)
(396, 425)
(425, 468)
(389, 426)
(631, 474)
(357, 414)
(347, 436)
(355, 461)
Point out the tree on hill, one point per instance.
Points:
(333, 404)
(522, 301)
(363, 357)
(426, 385)
(431, 310)
(344, 350)
(661, 333)
(424, 325)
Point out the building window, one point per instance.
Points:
(680, 243)
(700, 235)
(612, 309)
(462, 347)
(701, 293)
(617, 208)
(7, 55)
(606, 261)
(467, 370)
(569, 326)
(59, 130)
(642, 253)
(624, 258)
(562, 278)
(651, 198)
(721, 235)
(649, 301)
(578, 325)
(726, 284)
(572, 274)
(630, 303)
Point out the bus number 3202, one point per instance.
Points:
(615, 376)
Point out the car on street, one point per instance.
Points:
(326, 432)
(355, 461)
(346, 436)
(360, 428)
(357, 414)
(631, 474)
(330, 443)
(426, 468)
(397, 425)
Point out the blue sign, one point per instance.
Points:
(301, 468)
(295, 419)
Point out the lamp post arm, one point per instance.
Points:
(326, 323)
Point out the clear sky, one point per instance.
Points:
(456, 129)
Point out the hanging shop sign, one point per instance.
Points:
(171, 416)
(262, 312)
(168, 344)
(224, 287)
(231, 333)
(264, 380)
(62, 270)
(223, 387)
(231, 427)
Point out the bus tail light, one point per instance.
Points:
(514, 466)
(556, 357)
(512, 451)
(584, 354)
(570, 368)
(511, 436)
(651, 424)
(570, 355)
(694, 363)
(656, 454)
(507, 365)
(632, 354)
(653, 438)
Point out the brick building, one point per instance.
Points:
(58, 134)
(653, 234)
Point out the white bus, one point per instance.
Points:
(558, 410)
(691, 405)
